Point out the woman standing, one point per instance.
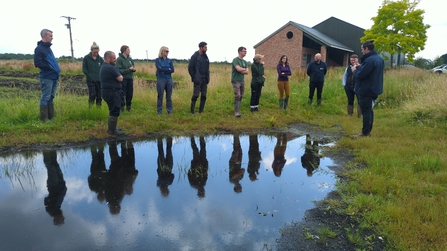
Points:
(284, 72)
(257, 81)
(90, 67)
(165, 68)
(126, 67)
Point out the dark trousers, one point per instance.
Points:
(200, 88)
(113, 99)
(255, 94)
(366, 105)
(127, 86)
(350, 94)
(94, 92)
(313, 86)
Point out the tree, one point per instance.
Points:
(398, 28)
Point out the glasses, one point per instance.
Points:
(167, 51)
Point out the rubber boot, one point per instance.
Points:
(350, 110)
(281, 103)
(202, 105)
(44, 113)
(309, 101)
(112, 126)
(98, 104)
(193, 107)
(50, 111)
(286, 103)
(237, 108)
(359, 111)
(319, 101)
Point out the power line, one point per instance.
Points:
(71, 40)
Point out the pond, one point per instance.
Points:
(215, 192)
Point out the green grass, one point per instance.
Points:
(396, 185)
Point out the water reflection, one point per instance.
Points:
(164, 166)
(279, 154)
(199, 188)
(198, 173)
(56, 187)
(235, 169)
(310, 159)
(254, 157)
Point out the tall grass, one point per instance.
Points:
(399, 191)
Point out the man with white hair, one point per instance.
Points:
(316, 71)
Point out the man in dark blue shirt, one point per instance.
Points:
(111, 90)
(316, 71)
(369, 84)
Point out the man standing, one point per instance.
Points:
(348, 83)
(238, 70)
(369, 84)
(316, 71)
(90, 67)
(49, 74)
(111, 90)
(126, 67)
(199, 70)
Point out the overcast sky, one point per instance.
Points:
(145, 26)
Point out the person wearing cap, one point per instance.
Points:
(199, 70)
(257, 81)
(90, 67)
(284, 72)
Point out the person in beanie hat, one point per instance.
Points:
(257, 81)
(90, 67)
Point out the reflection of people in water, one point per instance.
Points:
(310, 159)
(98, 172)
(198, 173)
(56, 187)
(120, 176)
(164, 170)
(278, 153)
(254, 157)
(236, 172)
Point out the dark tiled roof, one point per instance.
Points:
(312, 34)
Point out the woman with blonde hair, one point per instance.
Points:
(165, 68)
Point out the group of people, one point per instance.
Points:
(111, 79)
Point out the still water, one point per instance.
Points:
(218, 192)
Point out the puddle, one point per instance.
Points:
(222, 192)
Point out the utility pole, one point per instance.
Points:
(71, 40)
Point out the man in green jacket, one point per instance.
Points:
(90, 67)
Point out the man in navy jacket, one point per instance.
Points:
(49, 74)
(316, 71)
(369, 84)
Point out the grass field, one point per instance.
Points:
(400, 191)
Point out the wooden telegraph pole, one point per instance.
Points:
(71, 40)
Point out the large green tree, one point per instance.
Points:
(398, 28)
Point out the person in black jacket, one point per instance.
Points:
(199, 70)
(257, 82)
(316, 71)
(369, 84)
(348, 84)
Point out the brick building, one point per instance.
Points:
(335, 39)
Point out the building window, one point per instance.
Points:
(289, 35)
(306, 60)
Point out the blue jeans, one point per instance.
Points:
(49, 87)
(164, 84)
